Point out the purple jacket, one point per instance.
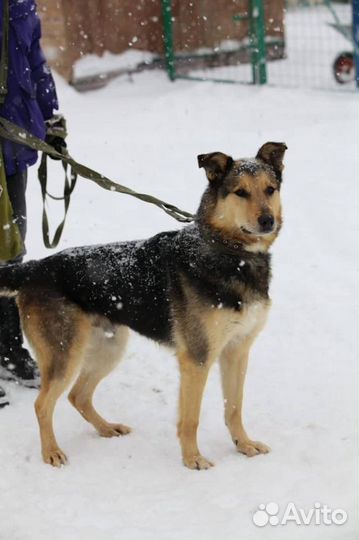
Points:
(31, 97)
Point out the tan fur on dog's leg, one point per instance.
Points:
(234, 362)
(44, 407)
(102, 356)
(47, 322)
(193, 380)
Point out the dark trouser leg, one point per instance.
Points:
(15, 361)
(10, 330)
(16, 186)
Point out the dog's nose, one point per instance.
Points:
(266, 222)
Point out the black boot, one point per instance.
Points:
(16, 363)
(3, 400)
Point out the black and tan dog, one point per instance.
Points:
(202, 290)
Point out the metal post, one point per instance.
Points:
(168, 38)
(355, 6)
(257, 41)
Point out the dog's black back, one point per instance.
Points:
(140, 283)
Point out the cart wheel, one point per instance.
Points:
(343, 68)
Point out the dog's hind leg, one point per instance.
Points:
(105, 349)
(58, 333)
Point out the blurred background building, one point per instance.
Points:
(227, 40)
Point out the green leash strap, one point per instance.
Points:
(19, 135)
(14, 133)
(55, 130)
(68, 189)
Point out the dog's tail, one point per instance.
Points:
(14, 276)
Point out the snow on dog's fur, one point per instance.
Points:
(202, 290)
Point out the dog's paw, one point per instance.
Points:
(197, 462)
(113, 430)
(252, 448)
(54, 457)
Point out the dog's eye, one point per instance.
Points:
(242, 193)
(270, 190)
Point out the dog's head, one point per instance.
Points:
(242, 201)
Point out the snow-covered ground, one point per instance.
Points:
(92, 65)
(302, 382)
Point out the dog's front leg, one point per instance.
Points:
(234, 362)
(193, 380)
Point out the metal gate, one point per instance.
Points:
(262, 41)
(242, 45)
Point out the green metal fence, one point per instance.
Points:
(197, 65)
(315, 33)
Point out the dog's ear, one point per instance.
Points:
(216, 165)
(272, 153)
